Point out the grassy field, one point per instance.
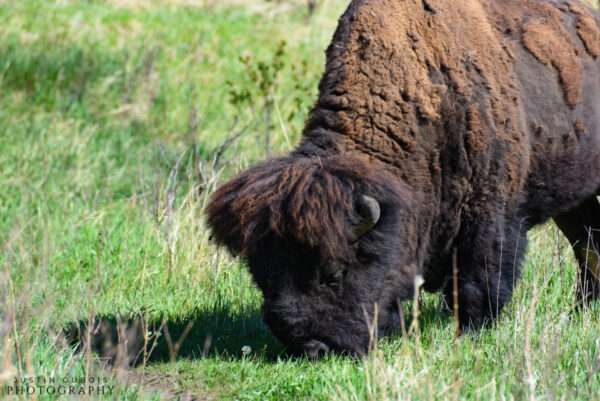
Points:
(117, 120)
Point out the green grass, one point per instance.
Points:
(117, 122)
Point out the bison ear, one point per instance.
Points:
(369, 213)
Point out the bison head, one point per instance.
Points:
(329, 243)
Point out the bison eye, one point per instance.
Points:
(333, 279)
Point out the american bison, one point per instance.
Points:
(444, 130)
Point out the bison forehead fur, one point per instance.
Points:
(451, 128)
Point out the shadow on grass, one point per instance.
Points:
(133, 340)
(130, 341)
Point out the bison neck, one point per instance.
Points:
(431, 95)
(465, 102)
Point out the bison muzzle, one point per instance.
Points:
(443, 131)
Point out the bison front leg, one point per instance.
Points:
(581, 226)
(486, 269)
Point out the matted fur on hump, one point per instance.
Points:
(310, 201)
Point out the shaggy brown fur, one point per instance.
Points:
(303, 200)
(469, 122)
(587, 30)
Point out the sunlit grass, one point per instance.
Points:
(117, 120)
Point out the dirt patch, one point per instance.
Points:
(167, 386)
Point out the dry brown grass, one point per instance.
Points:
(257, 6)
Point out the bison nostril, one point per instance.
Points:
(315, 349)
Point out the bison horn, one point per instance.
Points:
(369, 211)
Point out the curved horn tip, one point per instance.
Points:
(370, 211)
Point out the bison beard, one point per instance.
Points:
(442, 129)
